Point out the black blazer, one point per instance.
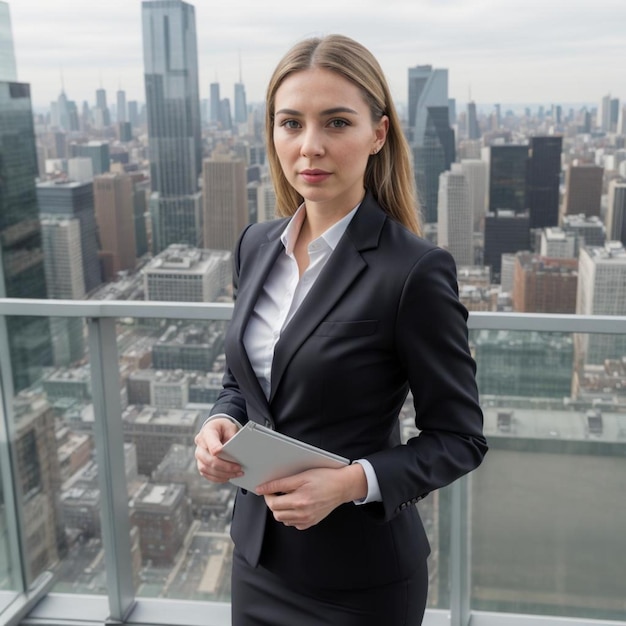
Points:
(382, 317)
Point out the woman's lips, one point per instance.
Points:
(314, 176)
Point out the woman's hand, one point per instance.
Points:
(305, 499)
(209, 443)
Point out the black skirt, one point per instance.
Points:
(260, 598)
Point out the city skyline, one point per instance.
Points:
(492, 55)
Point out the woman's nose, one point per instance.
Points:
(312, 143)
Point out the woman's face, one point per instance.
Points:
(324, 136)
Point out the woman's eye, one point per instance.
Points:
(338, 123)
(290, 124)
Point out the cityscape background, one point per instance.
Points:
(132, 155)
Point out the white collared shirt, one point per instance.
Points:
(283, 293)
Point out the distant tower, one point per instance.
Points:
(241, 108)
(122, 114)
(215, 103)
(102, 109)
(583, 190)
(616, 214)
(430, 135)
(544, 175)
(225, 202)
(225, 116)
(454, 211)
(173, 105)
(113, 201)
(473, 130)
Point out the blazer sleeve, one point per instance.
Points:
(230, 400)
(432, 344)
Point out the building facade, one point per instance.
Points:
(173, 108)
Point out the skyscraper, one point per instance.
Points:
(616, 214)
(225, 202)
(505, 231)
(8, 68)
(583, 190)
(173, 105)
(473, 130)
(601, 291)
(113, 201)
(215, 103)
(544, 175)
(508, 170)
(476, 173)
(122, 115)
(454, 231)
(75, 200)
(103, 116)
(432, 156)
(241, 108)
(22, 272)
(429, 133)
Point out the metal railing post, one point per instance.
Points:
(459, 554)
(109, 440)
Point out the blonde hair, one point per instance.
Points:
(389, 174)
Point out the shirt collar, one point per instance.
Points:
(331, 236)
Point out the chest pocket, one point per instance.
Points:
(361, 328)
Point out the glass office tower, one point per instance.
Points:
(173, 107)
(22, 272)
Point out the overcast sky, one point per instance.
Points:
(507, 51)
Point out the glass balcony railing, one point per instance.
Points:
(103, 515)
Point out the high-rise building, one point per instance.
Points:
(429, 133)
(433, 156)
(133, 112)
(22, 273)
(226, 120)
(616, 213)
(75, 200)
(601, 291)
(454, 223)
(476, 174)
(63, 258)
(505, 231)
(225, 202)
(214, 103)
(428, 87)
(64, 276)
(589, 231)
(473, 129)
(544, 175)
(241, 107)
(583, 190)
(508, 172)
(114, 208)
(122, 114)
(101, 112)
(544, 285)
(8, 67)
(173, 105)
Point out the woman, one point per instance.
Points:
(341, 309)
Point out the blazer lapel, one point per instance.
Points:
(246, 299)
(342, 269)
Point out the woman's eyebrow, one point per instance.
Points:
(332, 111)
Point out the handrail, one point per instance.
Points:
(478, 320)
